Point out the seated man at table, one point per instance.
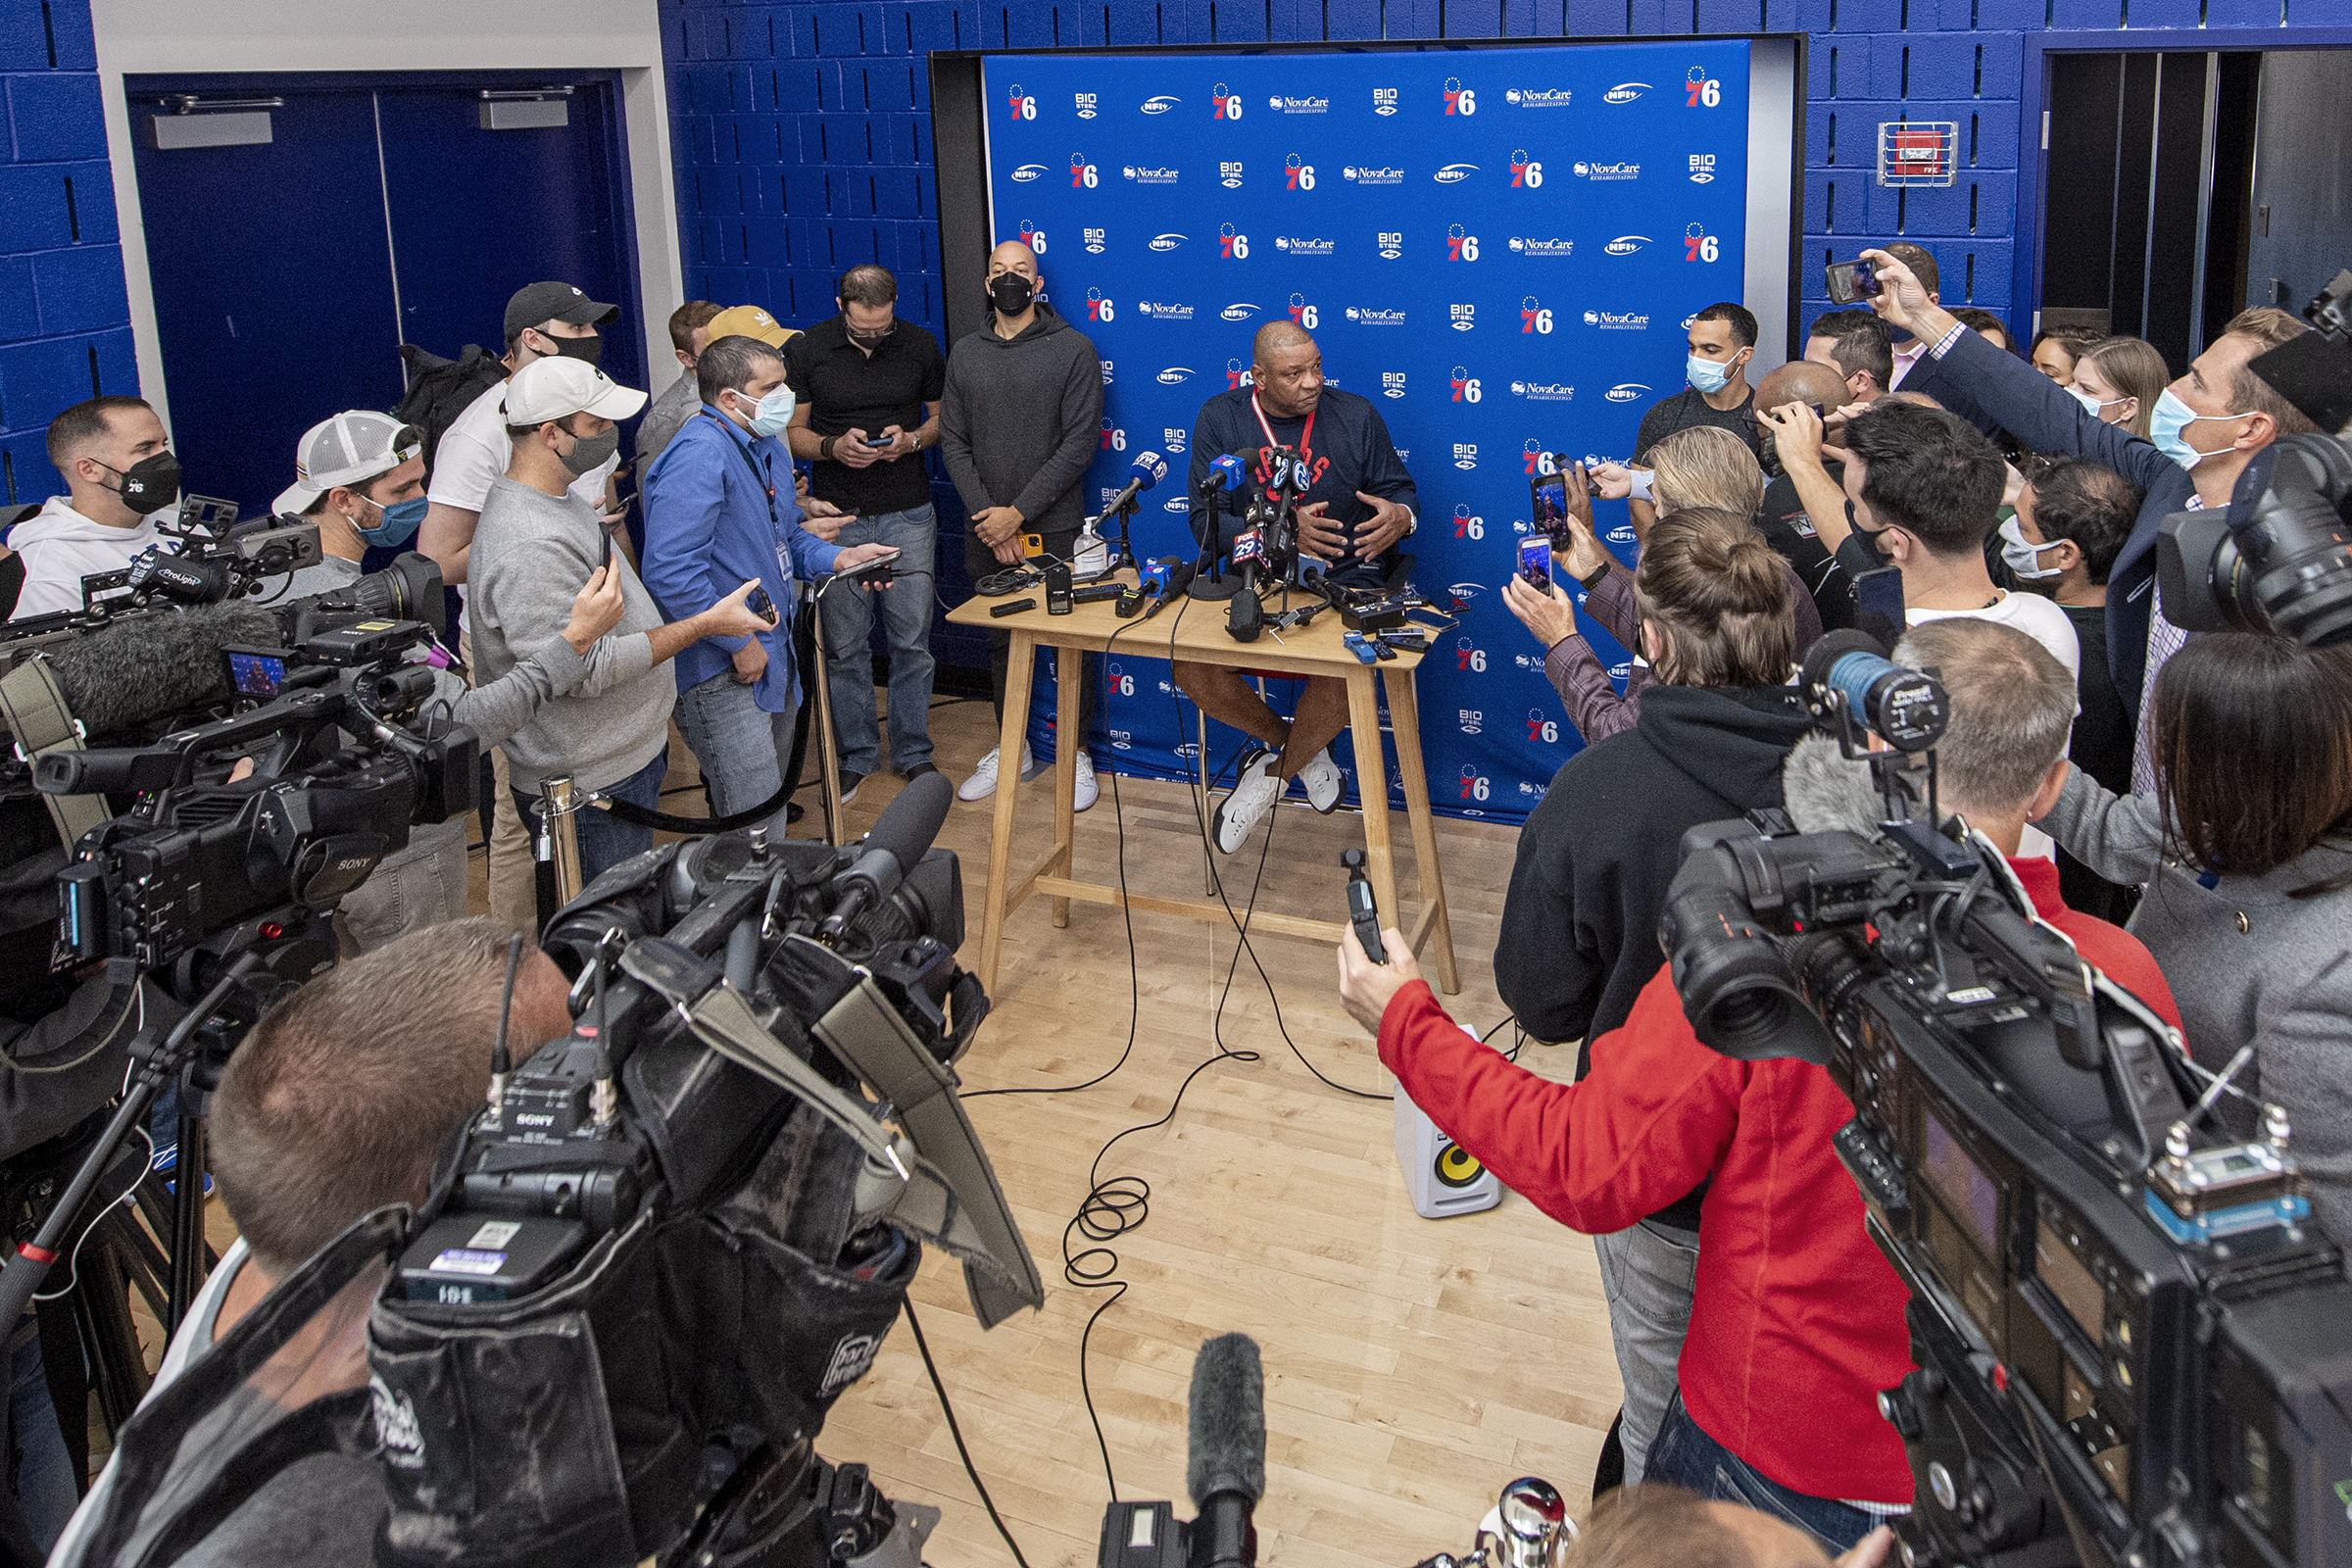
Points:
(1357, 506)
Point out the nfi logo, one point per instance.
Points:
(1175, 375)
(1166, 242)
(1627, 392)
(1625, 92)
(1240, 310)
(1626, 244)
(1454, 174)
(1160, 103)
(1029, 171)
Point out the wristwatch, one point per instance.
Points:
(1593, 581)
(824, 448)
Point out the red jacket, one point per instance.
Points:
(1796, 1322)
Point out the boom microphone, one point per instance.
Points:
(899, 837)
(150, 667)
(1225, 1454)
(1147, 470)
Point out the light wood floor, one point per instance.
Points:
(1412, 1366)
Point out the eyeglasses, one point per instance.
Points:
(875, 336)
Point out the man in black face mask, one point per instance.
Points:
(1019, 420)
(544, 321)
(119, 475)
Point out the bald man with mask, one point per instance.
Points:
(1019, 420)
(1784, 521)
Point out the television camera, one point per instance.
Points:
(2133, 1347)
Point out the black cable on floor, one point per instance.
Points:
(956, 1432)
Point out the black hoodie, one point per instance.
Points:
(1580, 927)
(1020, 420)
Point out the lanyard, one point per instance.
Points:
(1307, 436)
(767, 485)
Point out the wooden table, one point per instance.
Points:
(1199, 637)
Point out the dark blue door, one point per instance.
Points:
(272, 286)
(288, 273)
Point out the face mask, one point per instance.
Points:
(400, 522)
(2096, 408)
(589, 452)
(587, 349)
(2022, 556)
(773, 413)
(2168, 423)
(1706, 376)
(149, 484)
(1009, 293)
(1868, 536)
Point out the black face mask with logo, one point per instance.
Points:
(1010, 293)
(150, 484)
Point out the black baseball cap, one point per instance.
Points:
(555, 302)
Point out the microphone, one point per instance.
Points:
(155, 666)
(900, 838)
(1225, 1452)
(1224, 474)
(1848, 672)
(1147, 470)
(1246, 616)
(1180, 578)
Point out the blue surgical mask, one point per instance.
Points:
(774, 412)
(2168, 423)
(2023, 556)
(399, 524)
(1706, 376)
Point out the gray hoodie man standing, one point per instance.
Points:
(1018, 423)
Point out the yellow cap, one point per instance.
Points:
(750, 321)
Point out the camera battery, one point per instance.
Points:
(463, 1259)
(1380, 614)
(364, 642)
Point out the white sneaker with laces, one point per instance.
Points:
(1085, 791)
(1253, 792)
(1321, 777)
(983, 782)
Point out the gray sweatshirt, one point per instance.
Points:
(2246, 963)
(1020, 420)
(531, 553)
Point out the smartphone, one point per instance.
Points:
(1852, 280)
(1879, 606)
(758, 604)
(881, 568)
(1547, 502)
(1535, 562)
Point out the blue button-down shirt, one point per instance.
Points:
(708, 525)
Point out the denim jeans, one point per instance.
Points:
(605, 839)
(45, 1492)
(743, 750)
(1682, 1454)
(849, 614)
(424, 884)
(1647, 1273)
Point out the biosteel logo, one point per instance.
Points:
(1627, 392)
(1625, 92)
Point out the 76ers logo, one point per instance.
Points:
(1224, 105)
(1459, 100)
(1024, 108)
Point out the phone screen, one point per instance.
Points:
(1879, 606)
(1535, 561)
(1850, 281)
(1548, 497)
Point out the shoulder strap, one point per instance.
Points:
(41, 721)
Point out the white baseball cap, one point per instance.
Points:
(351, 448)
(558, 388)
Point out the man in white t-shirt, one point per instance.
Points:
(545, 321)
(120, 474)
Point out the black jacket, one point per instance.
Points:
(1021, 418)
(1975, 379)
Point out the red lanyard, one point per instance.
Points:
(1307, 436)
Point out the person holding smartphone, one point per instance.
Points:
(866, 388)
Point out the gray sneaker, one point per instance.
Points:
(1254, 792)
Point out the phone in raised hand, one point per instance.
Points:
(1363, 910)
(1535, 562)
(1547, 503)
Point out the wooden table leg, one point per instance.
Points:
(1069, 665)
(1404, 720)
(1018, 679)
(1372, 784)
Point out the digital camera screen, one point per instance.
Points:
(257, 674)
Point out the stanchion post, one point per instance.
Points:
(560, 847)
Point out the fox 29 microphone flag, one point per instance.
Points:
(1500, 248)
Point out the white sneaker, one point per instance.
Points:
(983, 782)
(1085, 792)
(1253, 792)
(1321, 776)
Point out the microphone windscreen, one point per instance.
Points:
(152, 666)
(1180, 577)
(1147, 469)
(908, 823)
(1226, 1447)
(1830, 648)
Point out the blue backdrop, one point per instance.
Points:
(1499, 247)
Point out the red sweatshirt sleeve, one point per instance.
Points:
(1645, 1127)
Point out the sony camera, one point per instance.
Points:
(2133, 1346)
(2279, 559)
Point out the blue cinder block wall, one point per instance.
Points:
(65, 319)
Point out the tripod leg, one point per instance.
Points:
(102, 1303)
(188, 1263)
